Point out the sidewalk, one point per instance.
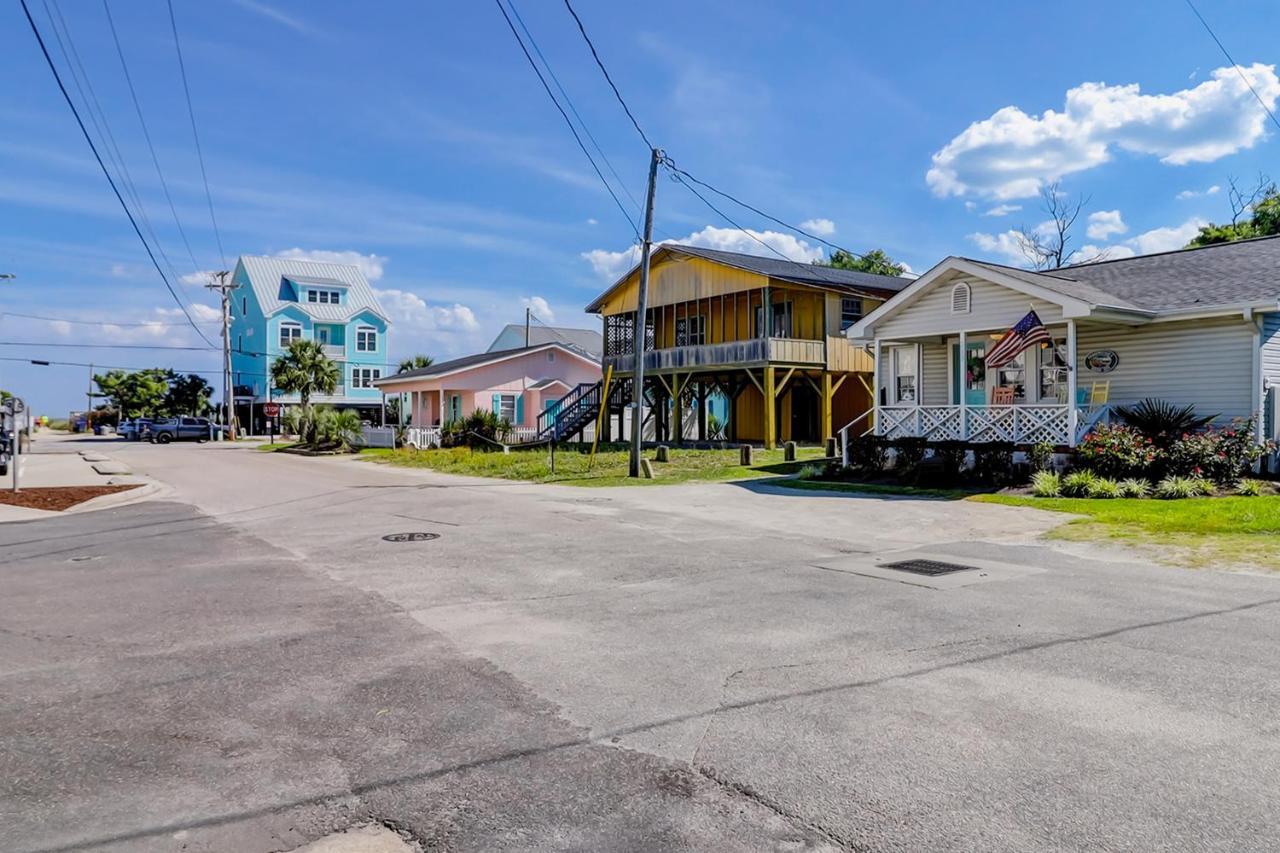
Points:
(60, 461)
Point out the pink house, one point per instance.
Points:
(516, 383)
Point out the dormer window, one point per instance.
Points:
(960, 298)
(324, 297)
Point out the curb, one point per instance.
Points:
(147, 491)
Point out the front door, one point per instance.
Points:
(322, 335)
(969, 373)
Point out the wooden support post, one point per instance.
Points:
(770, 409)
(677, 397)
(827, 395)
(701, 397)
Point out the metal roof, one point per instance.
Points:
(267, 274)
(512, 335)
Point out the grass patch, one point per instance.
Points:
(876, 489)
(1203, 531)
(272, 448)
(609, 469)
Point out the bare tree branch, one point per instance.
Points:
(1046, 246)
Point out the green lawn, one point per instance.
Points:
(609, 468)
(1202, 531)
(876, 489)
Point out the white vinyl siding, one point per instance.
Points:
(935, 364)
(992, 308)
(1271, 347)
(1206, 363)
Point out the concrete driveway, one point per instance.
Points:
(693, 667)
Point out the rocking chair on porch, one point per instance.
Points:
(1002, 396)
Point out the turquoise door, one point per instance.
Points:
(969, 372)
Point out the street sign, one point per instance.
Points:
(270, 410)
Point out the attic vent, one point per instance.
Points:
(960, 296)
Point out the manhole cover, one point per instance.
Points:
(928, 567)
(411, 537)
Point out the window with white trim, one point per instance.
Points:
(1053, 372)
(290, 332)
(851, 311)
(905, 372)
(961, 298)
(366, 339)
(324, 297)
(506, 407)
(363, 377)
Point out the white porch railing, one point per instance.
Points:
(1017, 424)
(422, 437)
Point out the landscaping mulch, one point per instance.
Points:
(58, 498)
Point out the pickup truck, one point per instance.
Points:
(165, 430)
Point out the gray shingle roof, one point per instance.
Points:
(267, 273)
(443, 367)
(1243, 272)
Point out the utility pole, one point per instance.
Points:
(88, 410)
(225, 290)
(639, 327)
(527, 312)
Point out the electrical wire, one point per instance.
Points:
(35, 30)
(565, 116)
(582, 29)
(156, 324)
(74, 345)
(1239, 71)
(574, 110)
(186, 90)
(146, 134)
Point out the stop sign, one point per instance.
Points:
(271, 409)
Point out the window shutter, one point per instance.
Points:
(519, 408)
(497, 403)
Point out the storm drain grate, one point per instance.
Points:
(928, 567)
(411, 537)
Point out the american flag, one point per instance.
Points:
(1029, 331)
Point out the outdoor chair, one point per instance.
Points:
(1002, 396)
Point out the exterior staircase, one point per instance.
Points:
(575, 411)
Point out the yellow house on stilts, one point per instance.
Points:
(763, 335)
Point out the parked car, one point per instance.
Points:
(133, 430)
(166, 430)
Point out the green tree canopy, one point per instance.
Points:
(305, 370)
(188, 395)
(415, 363)
(876, 262)
(1262, 220)
(135, 393)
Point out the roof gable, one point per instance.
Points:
(275, 286)
(468, 362)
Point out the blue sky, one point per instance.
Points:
(413, 138)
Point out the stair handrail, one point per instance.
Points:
(844, 436)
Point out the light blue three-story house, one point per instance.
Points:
(281, 300)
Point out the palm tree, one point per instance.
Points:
(304, 370)
(414, 363)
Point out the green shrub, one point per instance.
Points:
(1162, 421)
(1134, 488)
(1116, 451)
(952, 454)
(1250, 488)
(907, 453)
(1077, 483)
(1104, 488)
(809, 472)
(868, 454)
(1176, 488)
(1221, 455)
(1046, 484)
(1040, 456)
(1204, 487)
(993, 462)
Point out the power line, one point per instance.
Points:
(605, 71)
(1243, 77)
(565, 116)
(572, 108)
(94, 148)
(74, 345)
(149, 324)
(146, 134)
(186, 90)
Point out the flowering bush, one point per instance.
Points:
(1220, 455)
(1116, 452)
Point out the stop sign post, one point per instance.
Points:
(272, 411)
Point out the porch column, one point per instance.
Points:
(770, 412)
(414, 403)
(701, 397)
(1072, 383)
(875, 387)
(826, 406)
(962, 370)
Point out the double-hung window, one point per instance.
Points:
(905, 372)
(363, 377)
(506, 407)
(366, 339)
(290, 332)
(850, 312)
(1053, 373)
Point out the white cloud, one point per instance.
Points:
(1168, 238)
(611, 265)
(1186, 194)
(970, 205)
(410, 313)
(593, 221)
(821, 227)
(371, 265)
(1012, 155)
(1007, 244)
(1104, 223)
(541, 308)
(1001, 209)
(199, 278)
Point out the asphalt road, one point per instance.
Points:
(248, 665)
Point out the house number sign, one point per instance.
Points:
(1102, 360)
